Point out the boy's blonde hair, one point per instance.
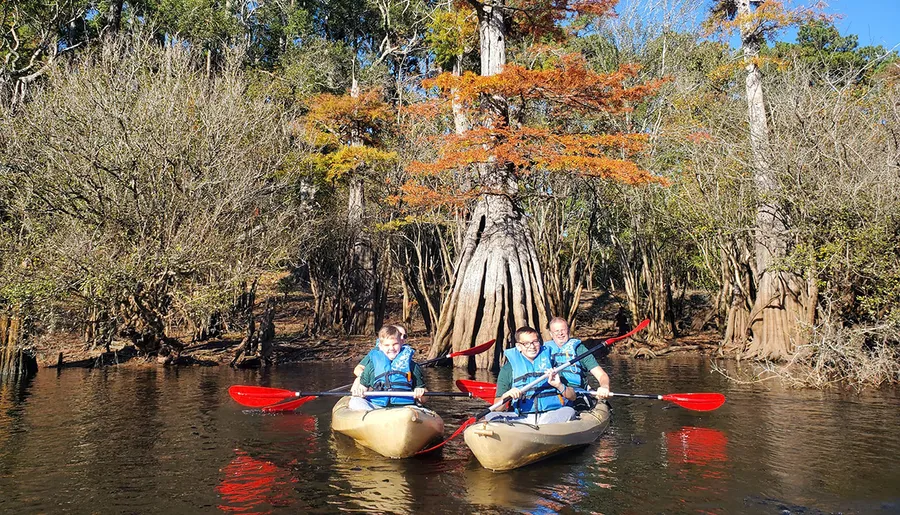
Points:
(389, 331)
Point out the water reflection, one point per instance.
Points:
(116, 440)
(696, 446)
(254, 486)
(553, 485)
(374, 484)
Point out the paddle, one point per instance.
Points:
(260, 396)
(691, 401)
(532, 384)
(269, 398)
(478, 349)
(567, 364)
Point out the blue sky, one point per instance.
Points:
(876, 22)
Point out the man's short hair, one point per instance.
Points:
(557, 319)
(525, 330)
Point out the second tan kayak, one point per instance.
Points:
(397, 432)
(500, 445)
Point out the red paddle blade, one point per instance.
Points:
(258, 396)
(696, 401)
(640, 327)
(478, 349)
(485, 391)
(287, 406)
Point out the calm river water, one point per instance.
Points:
(171, 441)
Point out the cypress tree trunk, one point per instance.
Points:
(362, 281)
(780, 306)
(498, 285)
(15, 361)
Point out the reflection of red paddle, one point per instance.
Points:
(696, 446)
(253, 484)
(691, 401)
(270, 399)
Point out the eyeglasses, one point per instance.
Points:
(535, 343)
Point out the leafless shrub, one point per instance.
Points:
(145, 192)
(857, 356)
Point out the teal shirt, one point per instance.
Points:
(587, 362)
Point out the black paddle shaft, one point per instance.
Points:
(384, 394)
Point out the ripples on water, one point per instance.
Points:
(171, 441)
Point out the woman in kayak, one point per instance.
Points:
(389, 367)
(576, 374)
(528, 360)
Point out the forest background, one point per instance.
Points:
(163, 161)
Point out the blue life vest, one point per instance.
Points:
(542, 397)
(392, 376)
(574, 373)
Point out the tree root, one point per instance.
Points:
(648, 353)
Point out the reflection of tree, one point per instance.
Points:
(252, 486)
(12, 395)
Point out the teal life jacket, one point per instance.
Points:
(574, 373)
(392, 376)
(542, 397)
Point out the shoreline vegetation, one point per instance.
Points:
(293, 344)
(234, 183)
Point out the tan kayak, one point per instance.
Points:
(502, 445)
(393, 432)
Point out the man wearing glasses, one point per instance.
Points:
(528, 360)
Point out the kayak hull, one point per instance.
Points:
(397, 432)
(500, 445)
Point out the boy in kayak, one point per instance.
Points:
(576, 375)
(358, 369)
(528, 360)
(389, 368)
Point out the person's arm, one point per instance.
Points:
(556, 381)
(358, 369)
(590, 364)
(504, 383)
(603, 380)
(362, 383)
(418, 383)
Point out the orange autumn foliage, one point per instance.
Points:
(346, 117)
(415, 195)
(569, 87)
(530, 149)
(554, 128)
(541, 19)
(345, 132)
(764, 21)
